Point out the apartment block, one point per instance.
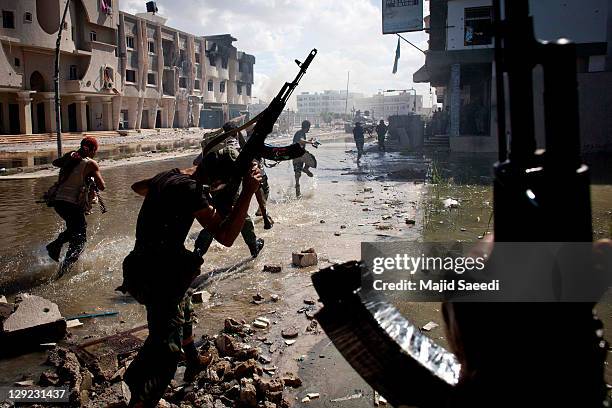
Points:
(118, 71)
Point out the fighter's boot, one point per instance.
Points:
(298, 194)
(195, 366)
(268, 222)
(307, 171)
(54, 249)
(256, 247)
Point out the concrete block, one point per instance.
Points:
(304, 259)
(200, 297)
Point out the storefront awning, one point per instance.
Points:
(421, 75)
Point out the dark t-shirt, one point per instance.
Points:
(167, 212)
(358, 133)
(299, 135)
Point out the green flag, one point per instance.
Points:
(397, 56)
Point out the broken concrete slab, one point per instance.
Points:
(35, 320)
(71, 324)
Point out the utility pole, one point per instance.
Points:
(348, 76)
(58, 116)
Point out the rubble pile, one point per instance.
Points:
(235, 376)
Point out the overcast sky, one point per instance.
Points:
(347, 35)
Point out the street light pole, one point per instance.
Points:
(58, 116)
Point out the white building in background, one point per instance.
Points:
(313, 104)
(384, 105)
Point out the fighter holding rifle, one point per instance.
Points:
(159, 270)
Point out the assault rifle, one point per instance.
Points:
(508, 354)
(255, 147)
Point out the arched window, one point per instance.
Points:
(37, 82)
(48, 15)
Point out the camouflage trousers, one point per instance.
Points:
(170, 327)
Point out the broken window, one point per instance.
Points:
(224, 62)
(129, 41)
(130, 75)
(72, 75)
(182, 82)
(8, 19)
(248, 89)
(239, 89)
(196, 84)
(123, 119)
(197, 57)
(222, 86)
(478, 28)
(93, 36)
(151, 47)
(27, 17)
(151, 78)
(211, 86)
(17, 62)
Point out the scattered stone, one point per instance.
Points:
(305, 258)
(25, 383)
(258, 297)
(290, 342)
(259, 324)
(310, 301)
(410, 221)
(305, 400)
(310, 314)
(430, 326)
(274, 298)
(343, 227)
(201, 296)
(248, 393)
(313, 326)
(313, 395)
(322, 221)
(450, 203)
(71, 324)
(368, 190)
(379, 400)
(384, 227)
(246, 369)
(226, 345)
(118, 376)
(265, 359)
(291, 380)
(48, 378)
(365, 209)
(337, 234)
(463, 230)
(272, 268)
(3, 299)
(289, 332)
(348, 397)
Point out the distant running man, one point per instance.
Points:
(299, 165)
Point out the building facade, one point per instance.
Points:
(459, 64)
(117, 70)
(381, 106)
(313, 104)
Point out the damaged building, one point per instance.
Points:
(117, 71)
(459, 64)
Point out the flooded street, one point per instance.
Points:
(342, 206)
